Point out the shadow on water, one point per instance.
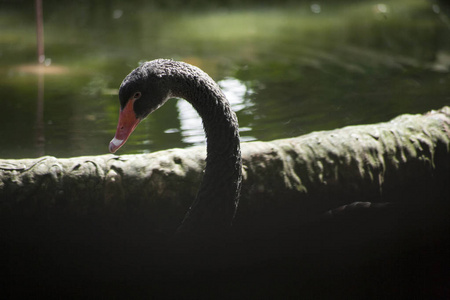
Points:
(387, 254)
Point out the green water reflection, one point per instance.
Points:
(287, 69)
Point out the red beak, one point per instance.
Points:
(127, 123)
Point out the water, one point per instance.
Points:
(286, 69)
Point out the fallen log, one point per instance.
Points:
(404, 160)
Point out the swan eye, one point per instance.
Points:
(137, 95)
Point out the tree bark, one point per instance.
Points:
(406, 160)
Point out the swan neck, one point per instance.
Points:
(217, 199)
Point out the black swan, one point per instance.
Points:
(146, 89)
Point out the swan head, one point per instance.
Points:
(142, 92)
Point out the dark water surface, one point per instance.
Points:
(286, 69)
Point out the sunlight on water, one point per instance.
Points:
(191, 123)
(45, 68)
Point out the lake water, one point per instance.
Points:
(287, 69)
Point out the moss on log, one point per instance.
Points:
(404, 160)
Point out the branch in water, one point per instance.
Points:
(404, 160)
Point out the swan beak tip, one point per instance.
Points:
(115, 144)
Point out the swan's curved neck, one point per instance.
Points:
(217, 200)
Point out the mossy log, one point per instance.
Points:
(404, 160)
